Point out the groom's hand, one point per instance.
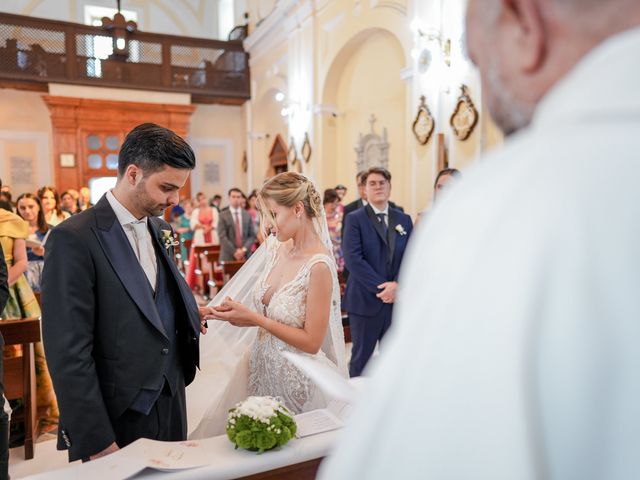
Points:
(110, 449)
(205, 313)
(235, 313)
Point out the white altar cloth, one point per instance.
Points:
(225, 462)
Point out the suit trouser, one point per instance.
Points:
(167, 420)
(365, 332)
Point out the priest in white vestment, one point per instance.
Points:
(515, 352)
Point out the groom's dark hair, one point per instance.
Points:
(151, 147)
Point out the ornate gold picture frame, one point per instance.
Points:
(292, 154)
(424, 124)
(465, 115)
(306, 148)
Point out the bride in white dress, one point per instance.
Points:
(288, 297)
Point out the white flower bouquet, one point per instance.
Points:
(260, 424)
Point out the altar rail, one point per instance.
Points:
(39, 51)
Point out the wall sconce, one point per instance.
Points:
(290, 108)
(432, 35)
(279, 97)
(119, 29)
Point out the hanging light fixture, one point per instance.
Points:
(119, 29)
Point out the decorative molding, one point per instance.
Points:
(334, 22)
(400, 7)
(117, 94)
(276, 27)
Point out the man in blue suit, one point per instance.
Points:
(375, 239)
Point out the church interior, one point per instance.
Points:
(325, 88)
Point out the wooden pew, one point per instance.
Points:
(230, 268)
(20, 373)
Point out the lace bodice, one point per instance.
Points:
(269, 372)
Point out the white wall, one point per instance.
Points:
(176, 17)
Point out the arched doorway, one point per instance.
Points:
(363, 80)
(277, 157)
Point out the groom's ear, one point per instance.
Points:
(133, 175)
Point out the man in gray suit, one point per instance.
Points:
(235, 229)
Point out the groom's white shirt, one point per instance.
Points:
(515, 348)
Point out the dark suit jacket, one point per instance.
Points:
(227, 233)
(102, 332)
(355, 205)
(371, 257)
(4, 283)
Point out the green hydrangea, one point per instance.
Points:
(259, 434)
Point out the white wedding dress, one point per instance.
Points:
(238, 362)
(269, 372)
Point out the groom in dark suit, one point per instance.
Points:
(375, 239)
(120, 325)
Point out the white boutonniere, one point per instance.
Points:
(169, 239)
(400, 229)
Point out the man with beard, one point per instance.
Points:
(515, 349)
(120, 325)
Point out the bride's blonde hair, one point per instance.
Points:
(287, 189)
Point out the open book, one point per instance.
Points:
(35, 243)
(141, 454)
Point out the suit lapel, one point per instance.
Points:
(391, 232)
(232, 223)
(185, 293)
(246, 223)
(118, 251)
(376, 224)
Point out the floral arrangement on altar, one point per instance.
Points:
(260, 424)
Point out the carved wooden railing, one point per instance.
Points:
(46, 51)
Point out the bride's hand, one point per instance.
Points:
(235, 313)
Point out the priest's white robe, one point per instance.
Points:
(515, 351)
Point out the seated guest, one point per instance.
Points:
(341, 190)
(69, 202)
(50, 202)
(182, 225)
(444, 181)
(5, 197)
(334, 223)
(216, 201)
(84, 200)
(29, 208)
(22, 303)
(253, 211)
(204, 223)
